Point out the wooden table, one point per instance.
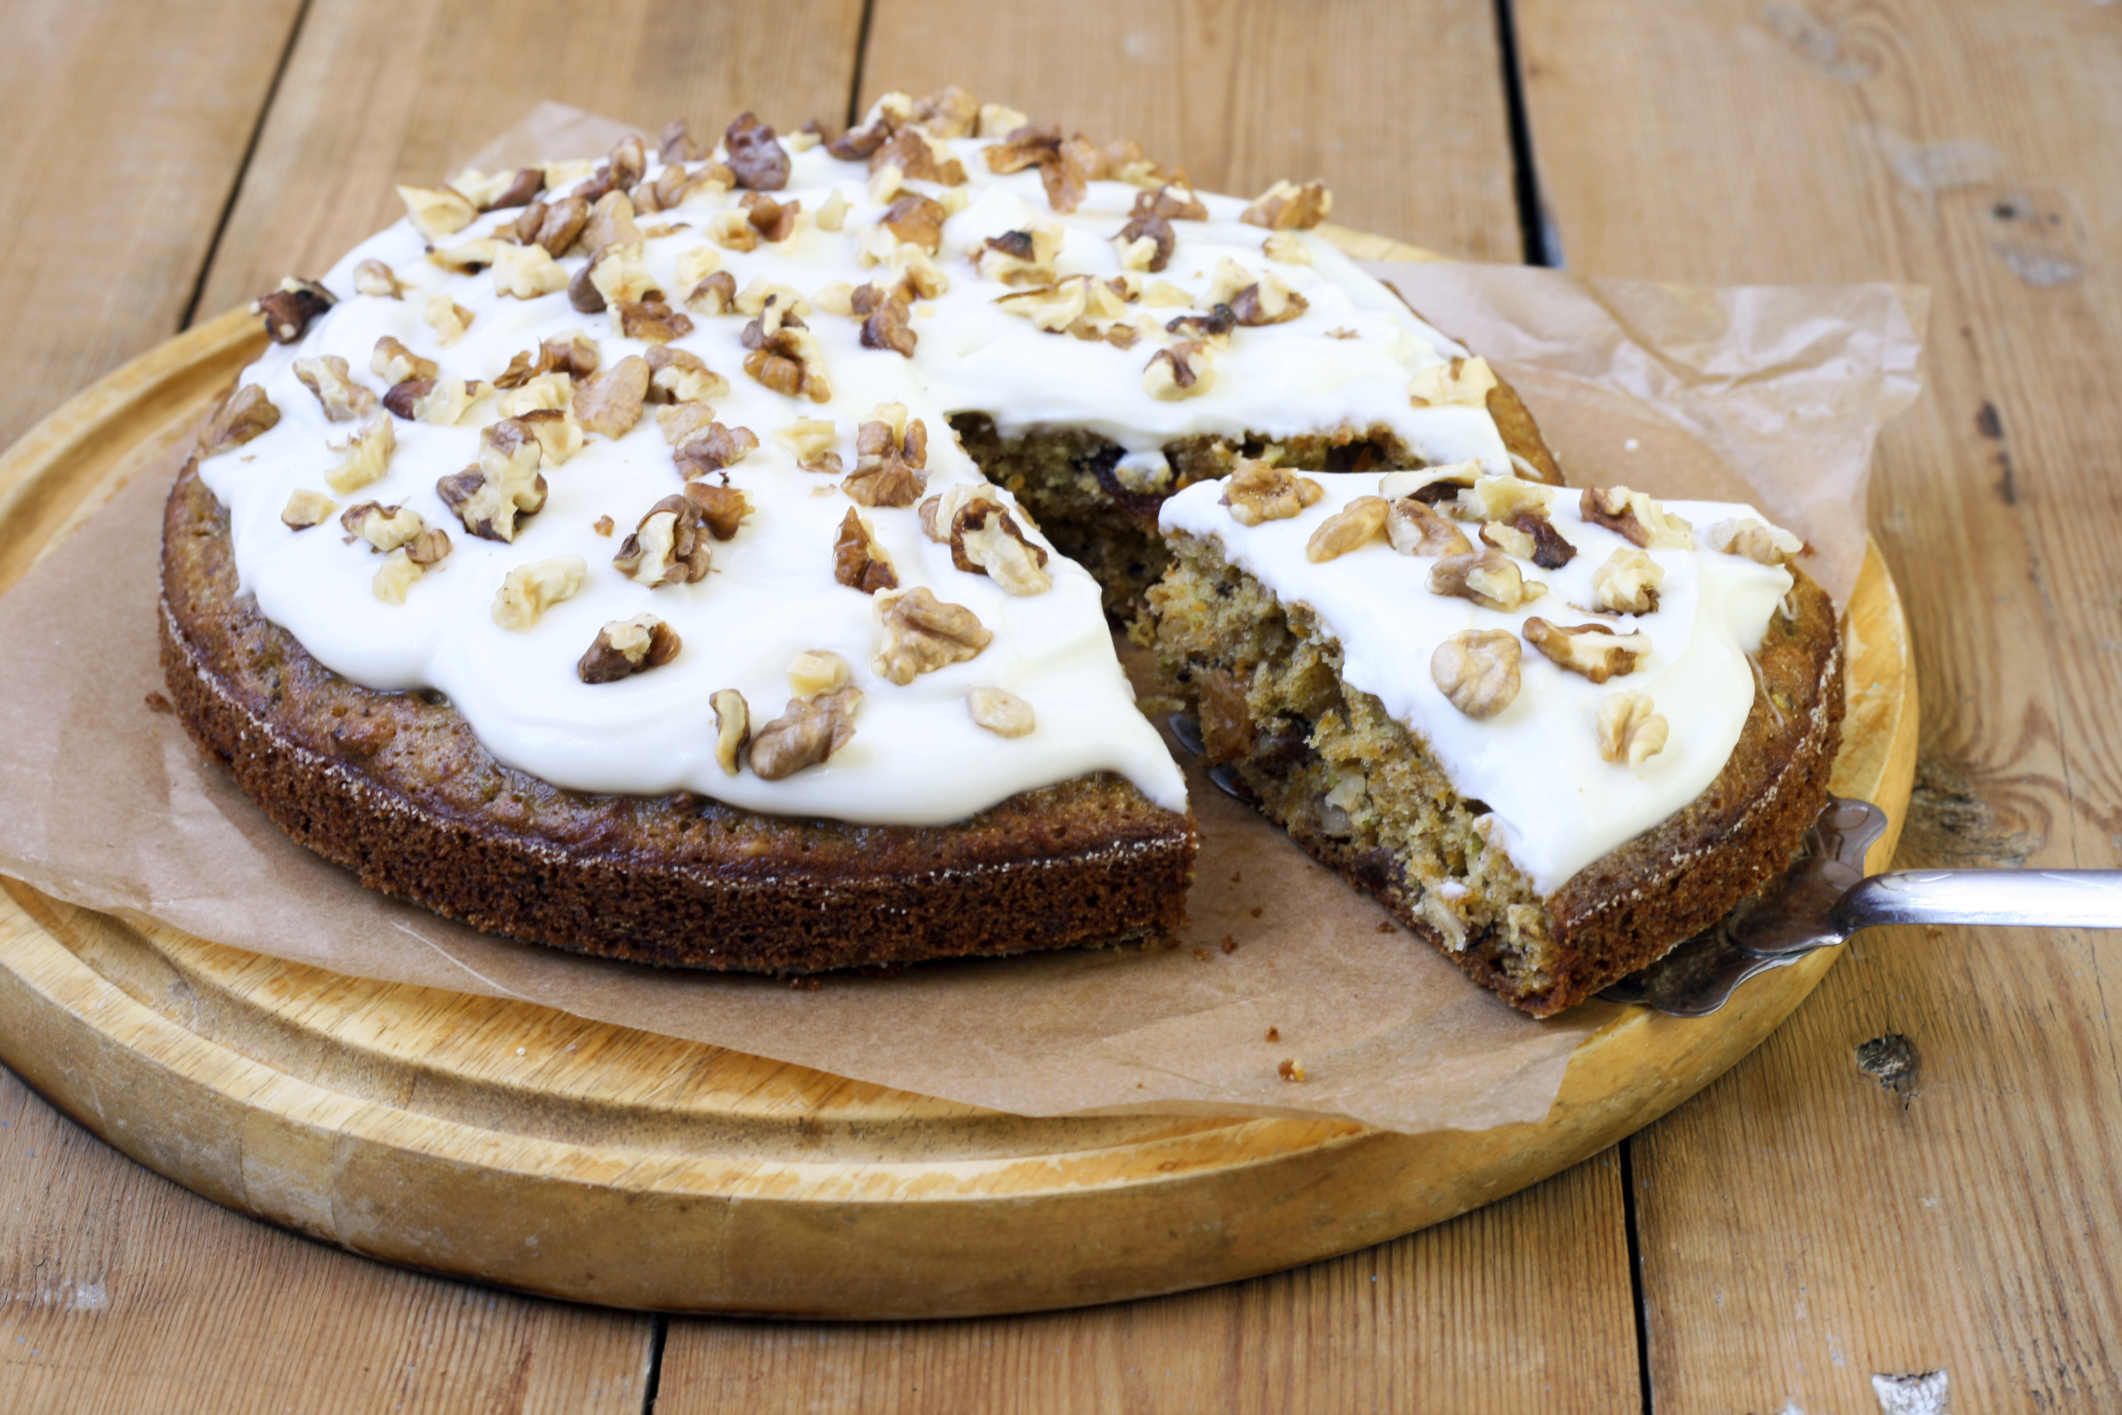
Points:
(1804, 1225)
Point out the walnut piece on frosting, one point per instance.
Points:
(807, 734)
(986, 540)
(1001, 712)
(816, 671)
(1414, 528)
(529, 590)
(1593, 650)
(733, 728)
(1455, 383)
(858, 561)
(1020, 257)
(394, 363)
(714, 449)
(1477, 671)
(289, 309)
(717, 294)
(939, 513)
(1288, 207)
(1754, 540)
(652, 321)
(609, 403)
(832, 212)
(1490, 579)
(243, 414)
(1353, 525)
(1182, 371)
(1630, 731)
(438, 211)
(668, 547)
(506, 483)
(891, 459)
(559, 435)
(1500, 498)
(395, 576)
(722, 508)
(759, 163)
(681, 376)
(999, 120)
(923, 634)
(367, 458)
(620, 274)
(1287, 247)
(610, 223)
(527, 272)
(811, 441)
(342, 399)
(788, 360)
(1636, 517)
(385, 528)
(448, 319)
(625, 647)
(373, 277)
(306, 508)
(1258, 492)
(1627, 583)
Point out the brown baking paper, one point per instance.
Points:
(1769, 395)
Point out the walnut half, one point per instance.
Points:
(1593, 650)
(1258, 492)
(244, 414)
(986, 540)
(530, 590)
(1630, 732)
(1352, 526)
(1477, 671)
(891, 459)
(1489, 579)
(1637, 517)
(923, 634)
(628, 646)
(858, 561)
(809, 732)
(669, 547)
(505, 485)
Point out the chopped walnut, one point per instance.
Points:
(1457, 383)
(858, 561)
(1061, 166)
(1754, 540)
(1162, 294)
(1258, 492)
(1489, 579)
(1151, 221)
(885, 117)
(342, 399)
(832, 212)
(947, 113)
(775, 305)
(985, 540)
(1500, 498)
(653, 322)
(733, 728)
(367, 458)
(385, 528)
(620, 275)
(912, 152)
(1000, 712)
(373, 277)
(1182, 371)
(527, 272)
(1288, 207)
(1477, 671)
(759, 162)
(628, 646)
(733, 231)
(529, 590)
(1353, 525)
(289, 309)
(505, 484)
(715, 449)
(1546, 547)
(1627, 583)
(676, 184)
(609, 403)
(788, 361)
(774, 220)
(1629, 730)
(394, 363)
(559, 435)
(816, 671)
(1287, 247)
(1433, 486)
(438, 212)
(1593, 650)
(395, 576)
(886, 322)
(915, 220)
(676, 143)
(890, 466)
(243, 414)
(1266, 301)
(1636, 517)
(307, 508)
(697, 264)
(1511, 540)
(939, 513)
(812, 440)
(1416, 529)
(545, 391)
(807, 734)
(522, 188)
(560, 226)
(722, 508)
(923, 634)
(603, 525)
(1021, 257)
(680, 376)
(448, 319)
(998, 120)
(469, 258)
(717, 294)
(610, 223)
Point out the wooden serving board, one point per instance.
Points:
(511, 1144)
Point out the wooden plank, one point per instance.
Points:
(380, 94)
(1398, 106)
(1802, 1228)
(1519, 1307)
(113, 206)
(120, 1291)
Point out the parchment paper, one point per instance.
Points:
(1768, 395)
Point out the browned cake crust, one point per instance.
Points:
(395, 787)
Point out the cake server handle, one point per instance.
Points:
(2054, 899)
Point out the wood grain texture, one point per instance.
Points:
(380, 94)
(1398, 106)
(1803, 1227)
(86, 282)
(120, 1291)
(1440, 1320)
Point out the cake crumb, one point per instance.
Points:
(1202, 955)
(1291, 1070)
(1274, 1034)
(1230, 944)
(804, 984)
(1235, 876)
(158, 702)
(1385, 926)
(602, 525)
(1256, 913)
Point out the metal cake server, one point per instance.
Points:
(1825, 899)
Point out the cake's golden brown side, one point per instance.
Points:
(1360, 793)
(395, 787)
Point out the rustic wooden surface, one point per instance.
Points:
(1801, 1228)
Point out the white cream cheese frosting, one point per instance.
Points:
(1556, 803)
(917, 757)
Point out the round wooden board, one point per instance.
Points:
(514, 1145)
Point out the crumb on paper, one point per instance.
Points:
(1235, 876)
(1256, 913)
(1385, 926)
(1202, 955)
(1291, 1070)
(159, 702)
(1274, 1034)
(804, 984)
(1230, 943)
(603, 525)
